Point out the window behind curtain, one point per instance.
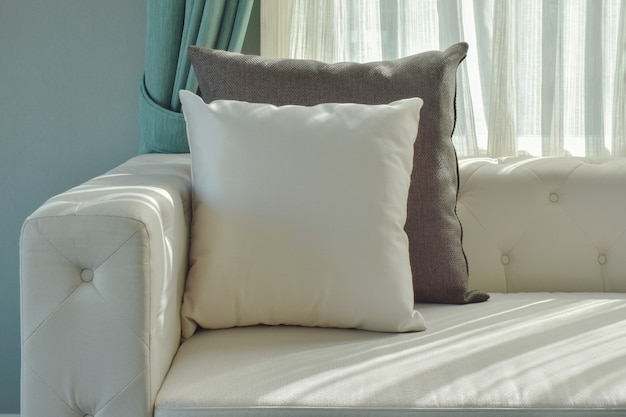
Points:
(543, 77)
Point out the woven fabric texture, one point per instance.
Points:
(439, 265)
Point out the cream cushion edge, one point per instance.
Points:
(298, 215)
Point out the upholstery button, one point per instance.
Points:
(86, 275)
(602, 259)
(554, 197)
(505, 260)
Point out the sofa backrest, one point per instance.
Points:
(544, 224)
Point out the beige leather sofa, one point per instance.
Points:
(102, 273)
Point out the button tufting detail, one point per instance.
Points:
(602, 259)
(554, 197)
(505, 260)
(86, 275)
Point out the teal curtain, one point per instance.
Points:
(173, 25)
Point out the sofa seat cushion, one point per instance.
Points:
(526, 352)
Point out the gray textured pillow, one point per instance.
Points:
(438, 263)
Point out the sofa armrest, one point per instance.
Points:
(102, 269)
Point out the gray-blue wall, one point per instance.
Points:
(69, 77)
(69, 82)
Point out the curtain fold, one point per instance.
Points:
(619, 113)
(542, 77)
(502, 116)
(173, 25)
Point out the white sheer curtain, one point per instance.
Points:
(543, 77)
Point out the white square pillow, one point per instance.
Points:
(298, 215)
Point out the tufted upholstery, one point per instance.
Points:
(103, 265)
(102, 268)
(544, 224)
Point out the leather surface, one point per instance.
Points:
(544, 224)
(102, 268)
(298, 215)
(530, 352)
